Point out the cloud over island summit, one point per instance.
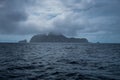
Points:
(94, 19)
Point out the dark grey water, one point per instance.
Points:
(56, 61)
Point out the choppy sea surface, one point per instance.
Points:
(59, 61)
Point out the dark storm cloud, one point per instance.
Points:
(82, 16)
(12, 12)
(90, 18)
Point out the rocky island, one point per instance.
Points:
(56, 38)
(23, 41)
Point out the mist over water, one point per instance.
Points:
(59, 61)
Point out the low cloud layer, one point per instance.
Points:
(76, 18)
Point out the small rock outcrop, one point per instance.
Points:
(56, 38)
(23, 41)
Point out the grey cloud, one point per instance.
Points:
(78, 5)
(16, 16)
(79, 17)
(70, 25)
(11, 13)
(107, 10)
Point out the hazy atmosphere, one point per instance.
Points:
(96, 20)
(59, 39)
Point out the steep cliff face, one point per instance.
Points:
(56, 38)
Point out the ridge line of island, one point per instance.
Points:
(40, 38)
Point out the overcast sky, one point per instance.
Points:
(96, 20)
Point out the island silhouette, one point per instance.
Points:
(52, 37)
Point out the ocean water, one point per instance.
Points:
(59, 61)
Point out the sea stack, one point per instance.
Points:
(23, 41)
